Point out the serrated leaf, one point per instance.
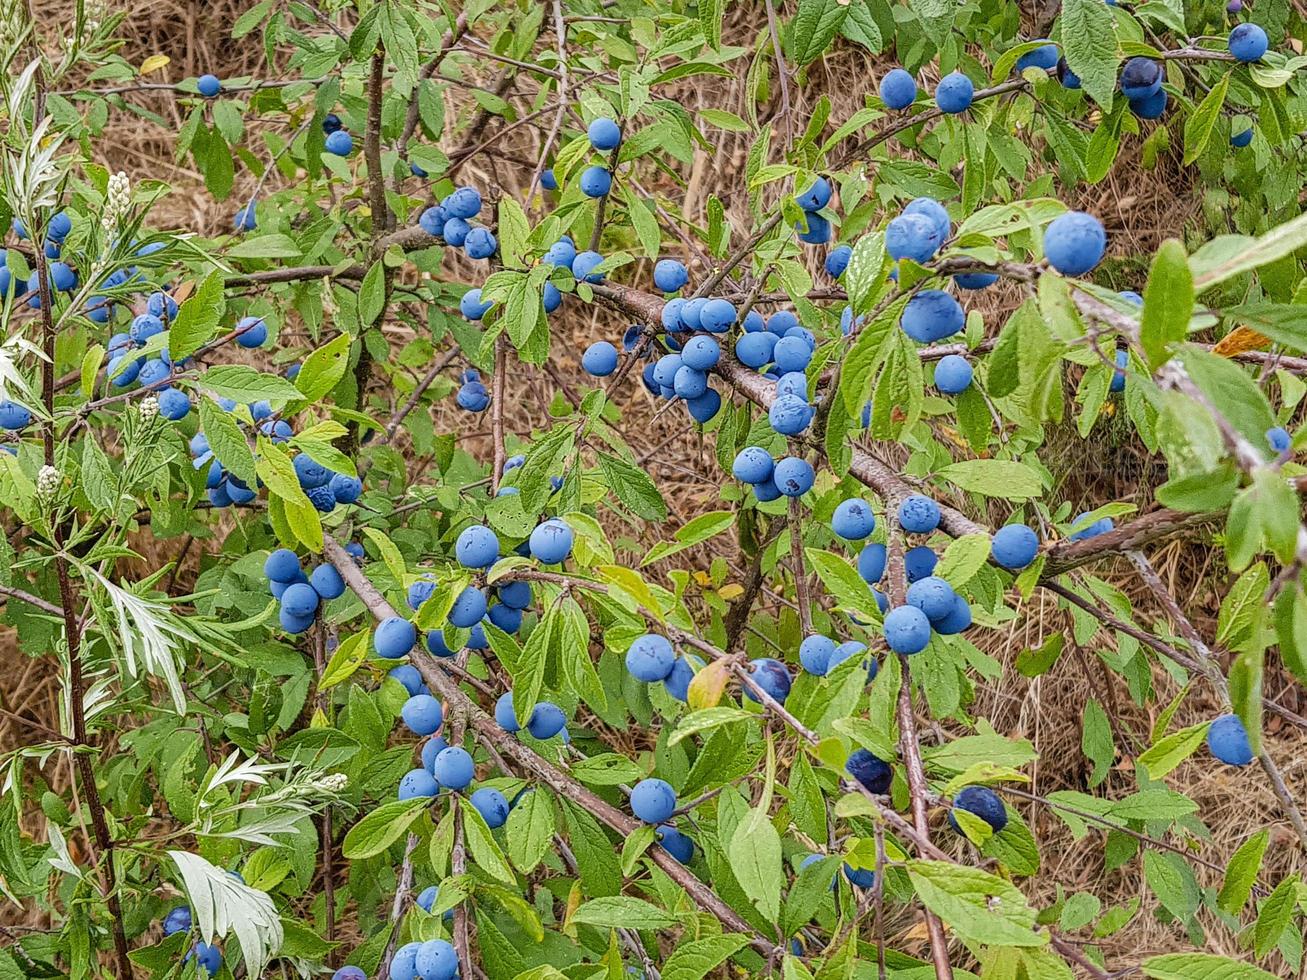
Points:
(381, 827)
(198, 318)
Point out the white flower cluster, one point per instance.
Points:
(119, 200)
(149, 408)
(47, 482)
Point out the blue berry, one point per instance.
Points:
(817, 230)
(1248, 42)
(393, 637)
(604, 134)
(958, 620)
(676, 843)
(815, 653)
(650, 658)
(984, 803)
(551, 542)
(584, 265)
(418, 782)
(340, 143)
(816, 197)
(1227, 740)
(546, 721)
(898, 89)
(252, 332)
(717, 315)
(492, 806)
(874, 774)
(931, 316)
(599, 359)
(933, 596)
(208, 85)
(755, 349)
(907, 630)
(462, 202)
(477, 547)
(871, 563)
(1074, 243)
(853, 520)
(918, 514)
(1045, 56)
(753, 464)
(770, 675)
(408, 676)
(1141, 78)
(596, 181)
(453, 768)
(480, 243)
(300, 600)
(954, 93)
(422, 714)
(677, 682)
(793, 476)
(282, 565)
(1014, 546)
(653, 800)
(669, 275)
(837, 260)
(953, 374)
(468, 608)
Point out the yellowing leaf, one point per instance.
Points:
(731, 592)
(1239, 341)
(154, 62)
(706, 687)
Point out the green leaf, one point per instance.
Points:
(755, 856)
(197, 320)
(1089, 44)
(514, 230)
(381, 827)
(595, 857)
(1003, 478)
(1168, 302)
(694, 960)
(1201, 123)
(529, 832)
(227, 441)
(1172, 750)
(963, 558)
(1275, 915)
(482, 847)
(244, 384)
(1172, 881)
(348, 658)
(978, 906)
(696, 531)
(843, 582)
(632, 486)
(1096, 741)
(323, 369)
(1228, 386)
(706, 719)
(265, 247)
(1156, 803)
(710, 21)
(1201, 966)
(623, 912)
(1227, 256)
(372, 294)
(813, 29)
(1241, 873)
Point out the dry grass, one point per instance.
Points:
(1140, 207)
